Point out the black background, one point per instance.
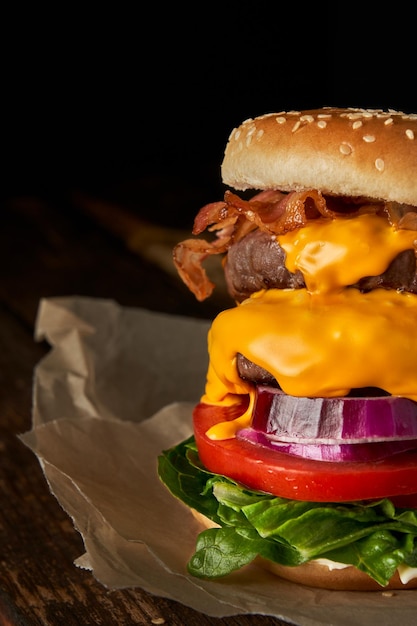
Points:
(110, 97)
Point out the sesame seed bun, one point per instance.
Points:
(315, 574)
(349, 152)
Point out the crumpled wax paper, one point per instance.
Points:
(117, 388)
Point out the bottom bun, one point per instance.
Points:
(314, 574)
(349, 578)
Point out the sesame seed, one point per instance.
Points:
(388, 121)
(409, 133)
(237, 134)
(259, 134)
(380, 165)
(280, 120)
(357, 124)
(296, 126)
(369, 138)
(268, 115)
(307, 118)
(322, 124)
(345, 148)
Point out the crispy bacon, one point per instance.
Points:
(189, 256)
(270, 211)
(402, 215)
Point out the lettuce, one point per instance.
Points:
(373, 536)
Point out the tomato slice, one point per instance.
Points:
(293, 477)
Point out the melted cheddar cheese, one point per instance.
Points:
(335, 253)
(328, 338)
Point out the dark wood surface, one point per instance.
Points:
(71, 244)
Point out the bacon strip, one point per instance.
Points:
(189, 256)
(402, 215)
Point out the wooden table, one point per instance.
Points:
(72, 243)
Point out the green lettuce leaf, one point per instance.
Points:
(373, 536)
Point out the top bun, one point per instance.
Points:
(349, 152)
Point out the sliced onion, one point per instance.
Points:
(340, 420)
(345, 452)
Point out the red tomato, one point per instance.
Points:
(293, 477)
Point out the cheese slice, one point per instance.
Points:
(334, 253)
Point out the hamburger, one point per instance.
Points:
(304, 449)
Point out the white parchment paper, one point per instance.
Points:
(116, 388)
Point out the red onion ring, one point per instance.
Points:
(336, 421)
(345, 452)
